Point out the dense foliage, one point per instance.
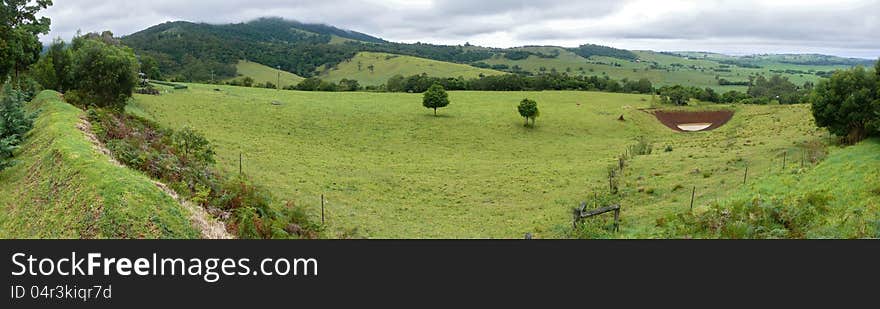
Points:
(14, 123)
(55, 69)
(19, 28)
(514, 82)
(848, 104)
(96, 70)
(777, 88)
(589, 50)
(676, 95)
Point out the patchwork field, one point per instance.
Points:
(390, 169)
(669, 70)
(387, 65)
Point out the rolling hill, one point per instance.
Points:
(195, 52)
(383, 168)
(384, 66)
(262, 74)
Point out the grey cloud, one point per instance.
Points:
(847, 27)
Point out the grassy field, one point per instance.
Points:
(391, 170)
(62, 187)
(838, 198)
(387, 65)
(262, 74)
(670, 70)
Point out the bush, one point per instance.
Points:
(184, 159)
(105, 74)
(847, 105)
(642, 147)
(14, 123)
(767, 217)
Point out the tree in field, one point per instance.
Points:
(247, 81)
(105, 74)
(677, 95)
(309, 84)
(349, 85)
(436, 97)
(848, 104)
(19, 26)
(528, 109)
(776, 88)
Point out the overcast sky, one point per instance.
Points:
(838, 27)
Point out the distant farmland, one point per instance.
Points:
(387, 65)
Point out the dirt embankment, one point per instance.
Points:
(675, 119)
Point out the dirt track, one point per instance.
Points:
(673, 119)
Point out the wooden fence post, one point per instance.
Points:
(617, 220)
(784, 156)
(746, 176)
(322, 209)
(239, 164)
(693, 195)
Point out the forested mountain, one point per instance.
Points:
(198, 51)
(203, 52)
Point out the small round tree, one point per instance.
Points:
(436, 97)
(528, 109)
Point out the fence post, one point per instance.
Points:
(693, 195)
(803, 157)
(617, 220)
(784, 155)
(322, 209)
(746, 176)
(239, 164)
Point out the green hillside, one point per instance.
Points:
(387, 65)
(64, 188)
(262, 74)
(839, 198)
(475, 172)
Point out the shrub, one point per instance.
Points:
(105, 74)
(847, 105)
(14, 123)
(185, 160)
(642, 147)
